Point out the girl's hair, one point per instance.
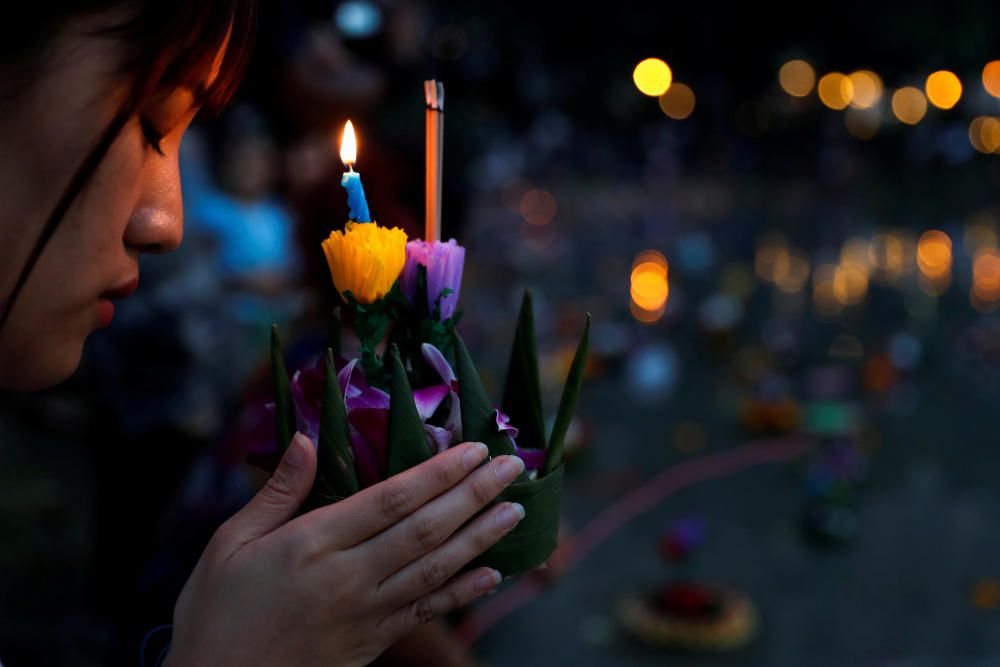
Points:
(167, 43)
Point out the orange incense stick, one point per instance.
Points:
(434, 94)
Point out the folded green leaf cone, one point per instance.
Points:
(534, 539)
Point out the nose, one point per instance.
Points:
(157, 223)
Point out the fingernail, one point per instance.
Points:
(510, 515)
(488, 582)
(474, 456)
(296, 454)
(509, 468)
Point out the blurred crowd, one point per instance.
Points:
(757, 263)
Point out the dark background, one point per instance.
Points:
(111, 484)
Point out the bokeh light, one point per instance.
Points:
(835, 90)
(887, 258)
(850, 284)
(538, 207)
(797, 78)
(934, 253)
(866, 89)
(984, 134)
(772, 259)
(652, 77)
(678, 102)
(986, 279)
(855, 252)
(991, 78)
(650, 286)
(358, 18)
(934, 259)
(796, 276)
(944, 89)
(909, 105)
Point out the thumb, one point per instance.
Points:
(280, 497)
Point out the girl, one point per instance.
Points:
(94, 99)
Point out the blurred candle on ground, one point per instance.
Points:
(351, 180)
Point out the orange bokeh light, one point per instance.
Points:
(650, 286)
(934, 254)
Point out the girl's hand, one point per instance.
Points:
(338, 585)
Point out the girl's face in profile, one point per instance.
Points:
(131, 204)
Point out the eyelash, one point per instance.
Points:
(150, 134)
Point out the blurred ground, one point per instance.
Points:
(797, 275)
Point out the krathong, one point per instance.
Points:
(414, 391)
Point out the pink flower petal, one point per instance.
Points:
(369, 397)
(503, 425)
(429, 399)
(307, 396)
(534, 459)
(437, 361)
(351, 382)
(438, 438)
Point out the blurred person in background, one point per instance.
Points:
(95, 102)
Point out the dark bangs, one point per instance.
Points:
(166, 44)
(170, 44)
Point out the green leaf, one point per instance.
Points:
(333, 330)
(371, 324)
(479, 423)
(534, 539)
(284, 408)
(567, 404)
(335, 466)
(522, 394)
(407, 442)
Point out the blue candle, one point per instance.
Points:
(356, 197)
(352, 179)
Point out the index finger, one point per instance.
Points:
(380, 506)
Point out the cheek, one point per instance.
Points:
(42, 341)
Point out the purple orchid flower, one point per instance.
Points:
(453, 422)
(534, 459)
(367, 410)
(451, 432)
(444, 263)
(367, 415)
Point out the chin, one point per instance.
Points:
(39, 369)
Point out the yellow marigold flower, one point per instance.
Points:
(365, 259)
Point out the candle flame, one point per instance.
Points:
(349, 146)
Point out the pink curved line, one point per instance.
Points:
(604, 525)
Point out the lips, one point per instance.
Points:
(122, 290)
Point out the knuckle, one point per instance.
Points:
(444, 476)
(306, 545)
(397, 502)
(433, 573)
(428, 532)
(481, 541)
(424, 611)
(483, 492)
(279, 486)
